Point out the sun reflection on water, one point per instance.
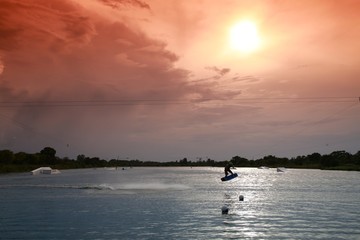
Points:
(246, 218)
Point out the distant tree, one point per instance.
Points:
(282, 161)
(328, 161)
(239, 161)
(81, 158)
(270, 160)
(210, 162)
(93, 162)
(299, 160)
(184, 161)
(48, 155)
(314, 158)
(48, 151)
(6, 157)
(356, 158)
(342, 157)
(32, 159)
(20, 158)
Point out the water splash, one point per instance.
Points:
(154, 186)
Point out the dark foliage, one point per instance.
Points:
(21, 161)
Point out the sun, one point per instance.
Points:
(244, 37)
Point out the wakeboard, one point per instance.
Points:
(229, 177)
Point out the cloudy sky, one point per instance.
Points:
(160, 80)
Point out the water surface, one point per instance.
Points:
(180, 203)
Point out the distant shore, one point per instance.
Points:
(11, 162)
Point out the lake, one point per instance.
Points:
(180, 203)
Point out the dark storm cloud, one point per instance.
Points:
(51, 25)
(55, 49)
(74, 75)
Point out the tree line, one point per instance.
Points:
(22, 162)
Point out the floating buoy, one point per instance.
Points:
(224, 210)
(241, 198)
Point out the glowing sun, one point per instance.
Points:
(244, 37)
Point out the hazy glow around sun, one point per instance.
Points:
(244, 37)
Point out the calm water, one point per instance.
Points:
(180, 203)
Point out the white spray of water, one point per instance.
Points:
(152, 186)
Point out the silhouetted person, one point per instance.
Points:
(227, 168)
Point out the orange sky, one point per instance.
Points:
(158, 80)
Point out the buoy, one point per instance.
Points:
(224, 210)
(241, 198)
